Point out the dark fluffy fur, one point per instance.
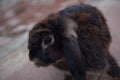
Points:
(86, 52)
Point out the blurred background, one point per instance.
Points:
(17, 17)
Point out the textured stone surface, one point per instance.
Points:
(17, 17)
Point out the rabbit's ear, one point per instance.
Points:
(72, 52)
(74, 58)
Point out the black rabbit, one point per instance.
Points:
(76, 40)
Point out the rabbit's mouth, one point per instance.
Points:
(39, 63)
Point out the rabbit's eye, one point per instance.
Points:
(48, 40)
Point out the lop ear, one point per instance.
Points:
(72, 52)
